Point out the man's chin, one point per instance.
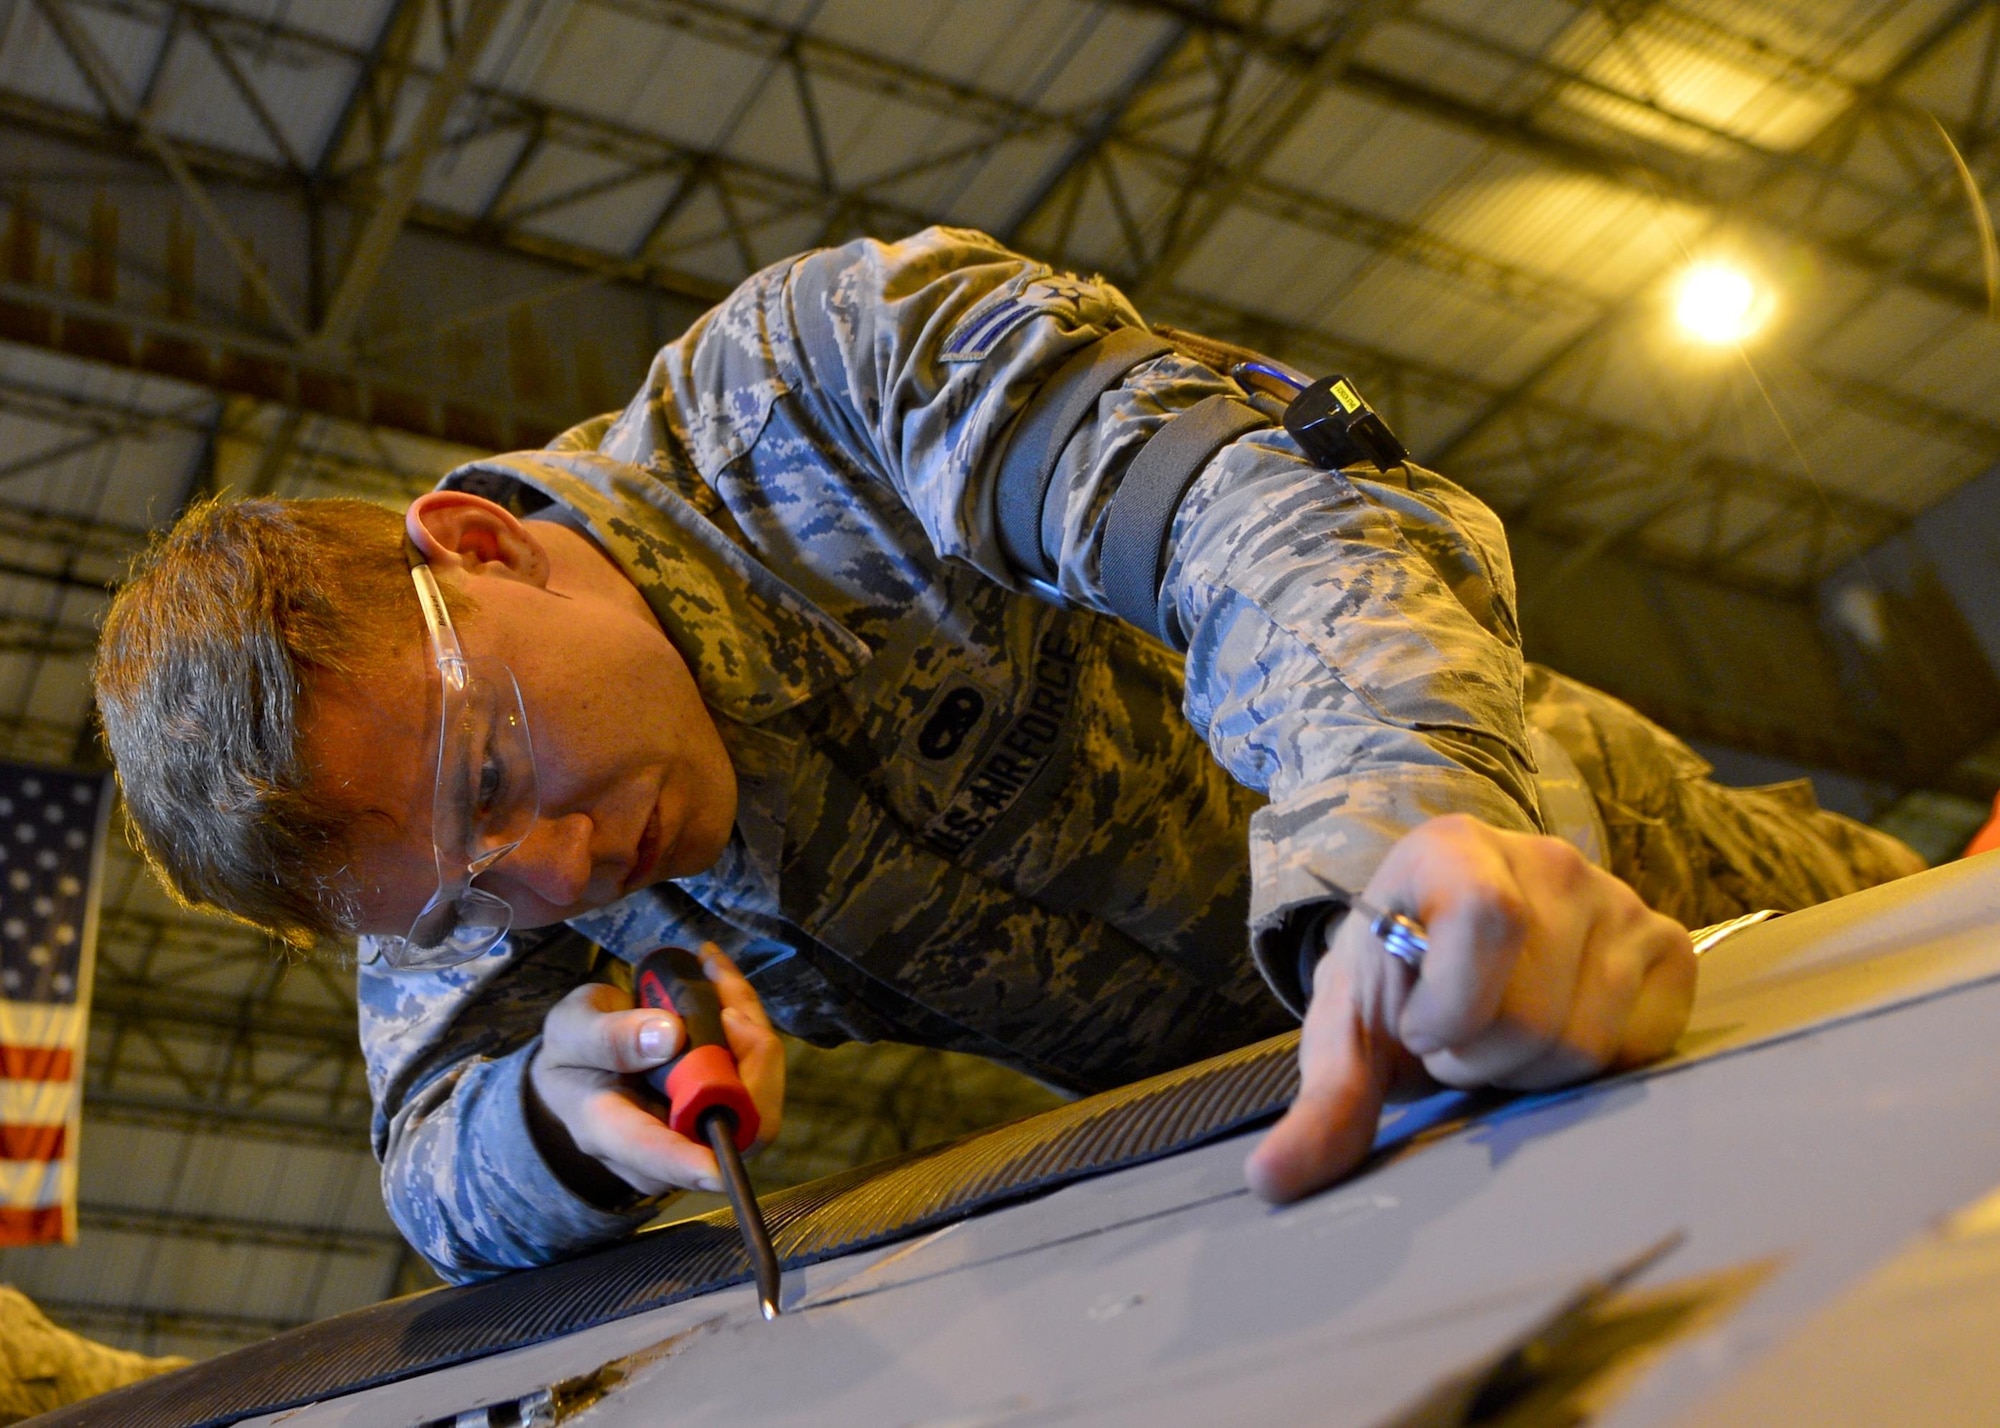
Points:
(685, 861)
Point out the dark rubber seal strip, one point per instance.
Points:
(874, 1205)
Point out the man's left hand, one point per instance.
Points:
(1542, 969)
(593, 1042)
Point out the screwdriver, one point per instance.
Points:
(707, 1098)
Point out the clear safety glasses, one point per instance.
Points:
(484, 803)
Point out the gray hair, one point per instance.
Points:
(202, 677)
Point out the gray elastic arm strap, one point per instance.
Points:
(1028, 466)
(1134, 560)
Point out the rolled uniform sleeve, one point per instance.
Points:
(1351, 645)
(448, 1055)
(470, 1189)
(1331, 667)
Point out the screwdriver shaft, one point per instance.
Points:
(718, 1128)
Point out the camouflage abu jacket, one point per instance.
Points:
(978, 810)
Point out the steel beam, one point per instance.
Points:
(149, 1322)
(103, 80)
(399, 192)
(1646, 170)
(177, 1113)
(232, 362)
(236, 1230)
(788, 193)
(1255, 138)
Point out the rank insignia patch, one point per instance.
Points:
(980, 330)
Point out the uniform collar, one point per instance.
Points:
(756, 646)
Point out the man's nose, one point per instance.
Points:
(553, 861)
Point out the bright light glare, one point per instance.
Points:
(1718, 304)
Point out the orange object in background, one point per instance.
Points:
(1987, 838)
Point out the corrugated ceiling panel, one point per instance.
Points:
(1886, 463)
(1905, 230)
(195, 100)
(1573, 231)
(1425, 53)
(1877, 162)
(778, 231)
(1275, 267)
(1095, 239)
(1296, 16)
(1100, 67)
(1888, 333)
(1174, 112)
(555, 174)
(697, 237)
(867, 135)
(150, 467)
(1952, 243)
(990, 192)
(1374, 158)
(1842, 209)
(349, 22)
(34, 63)
(1047, 53)
(128, 43)
(1685, 530)
(615, 221)
(464, 178)
(304, 91)
(623, 69)
(56, 693)
(199, 1276)
(1948, 81)
(1811, 305)
(1687, 69)
(772, 130)
(1526, 25)
(1647, 379)
(261, 1180)
(1958, 367)
(1783, 558)
(1402, 308)
(1007, 47)
(1854, 39)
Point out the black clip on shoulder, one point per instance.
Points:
(1338, 428)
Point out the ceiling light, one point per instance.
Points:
(1718, 304)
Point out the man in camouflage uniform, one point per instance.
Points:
(961, 786)
(44, 1366)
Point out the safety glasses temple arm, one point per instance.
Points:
(444, 639)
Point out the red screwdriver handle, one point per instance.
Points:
(703, 1077)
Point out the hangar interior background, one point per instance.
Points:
(311, 246)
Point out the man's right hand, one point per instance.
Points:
(1542, 970)
(595, 1038)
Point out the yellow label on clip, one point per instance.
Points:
(1349, 399)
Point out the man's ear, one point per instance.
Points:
(457, 530)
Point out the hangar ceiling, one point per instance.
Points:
(336, 245)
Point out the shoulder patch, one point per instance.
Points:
(981, 329)
(985, 325)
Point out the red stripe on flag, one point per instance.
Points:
(34, 1063)
(31, 1227)
(31, 1142)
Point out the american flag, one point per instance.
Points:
(52, 826)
